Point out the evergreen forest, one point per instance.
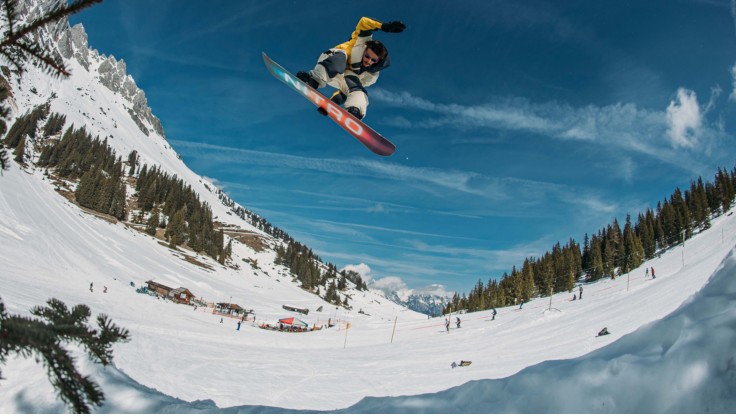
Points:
(160, 201)
(611, 251)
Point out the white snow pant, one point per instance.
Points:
(330, 70)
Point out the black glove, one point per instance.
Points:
(393, 27)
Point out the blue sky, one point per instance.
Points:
(517, 124)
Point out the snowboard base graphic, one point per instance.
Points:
(356, 128)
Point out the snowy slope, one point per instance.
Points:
(51, 249)
(104, 99)
(101, 97)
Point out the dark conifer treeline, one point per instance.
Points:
(190, 220)
(256, 220)
(93, 162)
(102, 188)
(303, 264)
(355, 278)
(609, 251)
(300, 259)
(24, 126)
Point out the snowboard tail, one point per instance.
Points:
(356, 128)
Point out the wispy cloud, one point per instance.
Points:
(394, 230)
(684, 120)
(439, 180)
(179, 59)
(622, 126)
(484, 195)
(732, 96)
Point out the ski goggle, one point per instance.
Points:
(367, 56)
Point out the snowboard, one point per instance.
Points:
(356, 128)
(603, 333)
(463, 363)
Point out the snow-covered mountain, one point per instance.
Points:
(104, 99)
(182, 359)
(101, 96)
(429, 301)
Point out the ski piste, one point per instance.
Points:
(366, 135)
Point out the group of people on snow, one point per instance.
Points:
(457, 323)
(653, 275)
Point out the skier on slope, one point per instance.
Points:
(352, 66)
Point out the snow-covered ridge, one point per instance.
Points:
(71, 43)
(104, 99)
(101, 96)
(52, 249)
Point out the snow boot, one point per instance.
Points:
(337, 98)
(355, 111)
(307, 79)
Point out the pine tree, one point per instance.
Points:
(45, 337)
(54, 125)
(152, 223)
(633, 251)
(20, 151)
(229, 249)
(176, 230)
(132, 162)
(596, 263)
(331, 294)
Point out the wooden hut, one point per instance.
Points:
(182, 295)
(228, 309)
(162, 290)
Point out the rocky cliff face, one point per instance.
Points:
(71, 43)
(111, 73)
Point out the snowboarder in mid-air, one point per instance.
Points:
(352, 66)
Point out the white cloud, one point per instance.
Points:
(378, 208)
(669, 136)
(457, 180)
(684, 119)
(362, 269)
(715, 92)
(436, 290)
(732, 97)
(389, 284)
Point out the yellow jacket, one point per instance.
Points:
(355, 47)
